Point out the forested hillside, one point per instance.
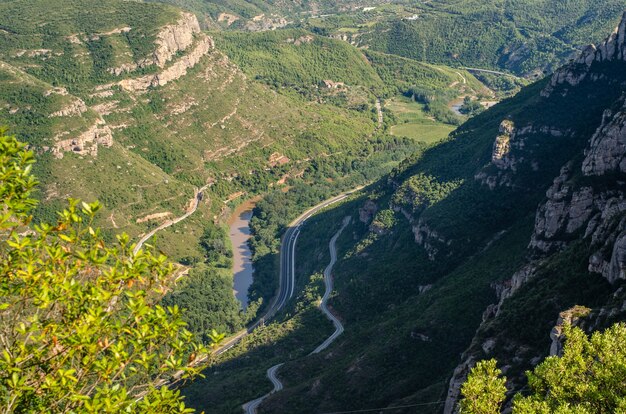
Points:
(524, 37)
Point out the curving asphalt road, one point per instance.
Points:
(287, 276)
(251, 407)
(493, 72)
(196, 201)
(328, 281)
(287, 284)
(285, 290)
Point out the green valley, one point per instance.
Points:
(472, 155)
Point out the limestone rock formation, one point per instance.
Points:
(569, 317)
(502, 144)
(263, 22)
(87, 142)
(608, 146)
(428, 238)
(175, 38)
(368, 211)
(76, 108)
(510, 151)
(175, 71)
(611, 49)
(454, 388)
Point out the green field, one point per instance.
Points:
(414, 123)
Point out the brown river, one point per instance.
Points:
(239, 234)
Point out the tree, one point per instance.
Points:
(484, 391)
(589, 378)
(81, 327)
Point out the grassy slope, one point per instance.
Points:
(158, 155)
(414, 123)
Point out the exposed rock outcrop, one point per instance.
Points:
(368, 211)
(612, 49)
(300, 40)
(227, 18)
(428, 238)
(454, 388)
(87, 142)
(510, 152)
(612, 265)
(170, 40)
(565, 212)
(506, 289)
(263, 22)
(175, 71)
(608, 146)
(175, 38)
(501, 148)
(123, 68)
(502, 144)
(76, 108)
(586, 203)
(569, 317)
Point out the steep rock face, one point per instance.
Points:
(610, 260)
(87, 142)
(570, 317)
(564, 213)
(454, 389)
(428, 238)
(175, 71)
(572, 208)
(502, 144)
(170, 40)
(586, 203)
(511, 151)
(612, 49)
(175, 38)
(608, 146)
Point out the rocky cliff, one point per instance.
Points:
(175, 38)
(585, 206)
(612, 49)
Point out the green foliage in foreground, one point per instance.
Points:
(484, 390)
(81, 329)
(588, 378)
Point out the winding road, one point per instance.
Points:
(251, 407)
(286, 285)
(196, 201)
(287, 279)
(328, 281)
